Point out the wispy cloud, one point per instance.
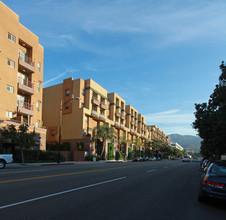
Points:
(151, 23)
(59, 76)
(170, 117)
(172, 121)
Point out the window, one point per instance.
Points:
(9, 88)
(52, 133)
(67, 92)
(11, 63)
(83, 92)
(39, 67)
(66, 106)
(36, 124)
(86, 119)
(9, 114)
(38, 87)
(83, 104)
(37, 106)
(11, 37)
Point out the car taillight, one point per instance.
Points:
(210, 183)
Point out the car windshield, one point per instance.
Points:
(218, 169)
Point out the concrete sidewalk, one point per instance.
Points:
(13, 165)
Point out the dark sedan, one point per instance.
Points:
(213, 182)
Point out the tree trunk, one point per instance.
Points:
(22, 154)
(103, 149)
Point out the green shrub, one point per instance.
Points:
(80, 146)
(118, 155)
(36, 156)
(66, 146)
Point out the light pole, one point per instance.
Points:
(61, 107)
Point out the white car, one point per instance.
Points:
(4, 159)
(186, 158)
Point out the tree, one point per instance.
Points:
(137, 143)
(25, 139)
(20, 137)
(211, 120)
(158, 146)
(101, 135)
(123, 143)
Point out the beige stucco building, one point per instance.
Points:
(93, 106)
(21, 75)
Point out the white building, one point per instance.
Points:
(177, 146)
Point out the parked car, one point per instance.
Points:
(186, 158)
(4, 159)
(213, 182)
(153, 158)
(138, 159)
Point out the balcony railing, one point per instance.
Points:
(102, 116)
(94, 113)
(117, 114)
(123, 116)
(103, 105)
(25, 108)
(25, 85)
(26, 63)
(95, 101)
(117, 124)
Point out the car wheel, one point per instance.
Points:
(2, 164)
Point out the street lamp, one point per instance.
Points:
(61, 107)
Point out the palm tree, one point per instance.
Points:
(102, 134)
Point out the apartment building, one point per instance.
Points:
(156, 133)
(21, 75)
(86, 105)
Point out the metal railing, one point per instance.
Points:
(26, 59)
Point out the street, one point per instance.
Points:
(140, 190)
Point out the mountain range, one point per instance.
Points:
(187, 141)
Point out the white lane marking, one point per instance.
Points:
(60, 193)
(27, 171)
(151, 170)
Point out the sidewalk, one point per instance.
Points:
(13, 165)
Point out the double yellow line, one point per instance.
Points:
(63, 174)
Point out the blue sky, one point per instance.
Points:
(160, 56)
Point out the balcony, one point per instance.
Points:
(123, 117)
(122, 126)
(26, 86)
(24, 108)
(117, 114)
(95, 101)
(103, 106)
(131, 131)
(102, 116)
(26, 64)
(94, 113)
(132, 122)
(117, 124)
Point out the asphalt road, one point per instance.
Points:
(140, 190)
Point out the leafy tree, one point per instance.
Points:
(101, 135)
(20, 137)
(211, 119)
(123, 143)
(137, 144)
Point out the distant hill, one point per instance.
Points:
(187, 141)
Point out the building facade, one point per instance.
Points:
(92, 107)
(21, 75)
